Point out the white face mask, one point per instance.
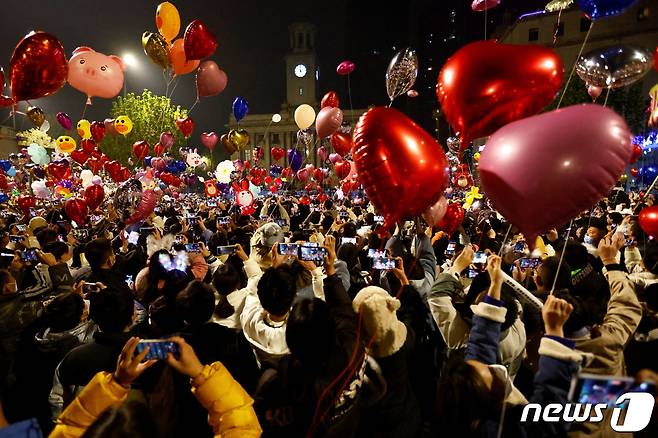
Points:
(589, 239)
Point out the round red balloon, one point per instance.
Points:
(649, 220)
(486, 85)
(330, 99)
(637, 153)
(401, 166)
(38, 67)
(199, 42)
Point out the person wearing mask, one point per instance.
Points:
(596, 230)
(102, 261)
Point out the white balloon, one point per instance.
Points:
(304, 116)
(276, 118)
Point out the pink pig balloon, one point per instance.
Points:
(95, 74)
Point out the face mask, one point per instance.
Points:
(589, 240)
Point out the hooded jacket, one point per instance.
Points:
(230, 411)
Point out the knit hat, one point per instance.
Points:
(37, 222)
(265, 238)
(377, 309)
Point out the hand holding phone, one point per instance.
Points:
(312, 253)
(192, 247)
(384, 263)
(226, 250)
(29, 256)
(157, 349)
(290, 249)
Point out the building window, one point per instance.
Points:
(301, 91)
(300, 40)
(558, 30)
(533, 34)
(584, 24)
(643, 13)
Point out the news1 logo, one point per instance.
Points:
(638, 408)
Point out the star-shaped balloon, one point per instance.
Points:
(558, 5)
(471, 196)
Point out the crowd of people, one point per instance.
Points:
(315, 320)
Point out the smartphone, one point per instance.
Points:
(312, 253)
(192, 247)
(520, 246)
(29, 255)
(628, 242)
(311, 244)
(343, 214)
(472, 273)
(129, 281)
(345, 240)
(226, 250)
(263, 217)
(373, 253)
(21, 227)
(224, 220)
(450, 249)
(81, 234)
(133, 237)
(384, 263)
(288, 249)
(379, 220)
(96, 218)
(211, 203)
(90, 287)
(179, 239)
(595, 389)
(480, 257)
(157, 349)
(528, 262)
(146, 229)
(16, 239)
(281, 222)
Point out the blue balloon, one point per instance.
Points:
(294, 159)
(180, 166)
(275, 170)
(147, 161)
(240, 108)
(596, 9)
(648, 174)
(5, 165)
(12, 171)
(3, 198)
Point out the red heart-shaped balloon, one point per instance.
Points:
(76, 210)
(79, 156)
(209, 140)
(88, 145)
(26, 202)
(277, 153)
(342, 142)
(318, 175)
(59, 170)
(402, 167)
(141, 149)
(286, 173)
(649, 220)
(112, 167)
(123, 175)
(634, 172)
(97, 131)
(185, 126)
(158, 149)
(94, 195)
(453, 217)
(342, 168)
(95, 165)
(330, 99)
(637, 153)
(198, 41)
(486, 85)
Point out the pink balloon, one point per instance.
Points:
(209, 140)
(334, 158)
(65, 121)
(346, 67)
(542, 171)
(436, 212)
(412, 93)
(322, 153)
(158, 163)
(95, 74)
(109, 127)
(167, 140)
(594, 91)
(210, 79)
(483, 5)
(303, 174)
(328, 121)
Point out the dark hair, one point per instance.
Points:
(276, 290)
(327, 222)
(650, 257)
(98, 252)
(615, 217)
(349, 229)
(45, 235)
(580, 316)
(64, 312)
(195, 303)
(462, 399)
(310, 332)
(131, 419)
(58, 249)
(5, 275)
(112, 309)
(172, 226)
(226, 279)
(575, 255)
(650, 296)
(548, 270)
(598, 223)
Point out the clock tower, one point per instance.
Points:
(301, 65)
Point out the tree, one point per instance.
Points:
(151, 115)
(627, 102)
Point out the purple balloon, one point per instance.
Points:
(334, 158)
(64, 120)
(167, 140)
(294, 159)
(322, 153)
(542, 171)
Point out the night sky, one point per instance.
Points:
(253, 40)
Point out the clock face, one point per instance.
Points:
(300, 70)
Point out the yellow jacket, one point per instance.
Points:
(230, 411)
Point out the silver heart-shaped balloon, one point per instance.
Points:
(614, 67)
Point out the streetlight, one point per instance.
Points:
(131, 62)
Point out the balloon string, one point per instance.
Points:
(486, 9)
(564, 249)
(573, 69)
(502, 245)
(607, 94)
(84, 110)
(174, 89)
(192, 107)
(349, 95)
(557, 27)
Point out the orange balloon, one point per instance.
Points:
(179, 61)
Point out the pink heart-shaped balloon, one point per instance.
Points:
(542, 171)
(334, 158)
(209, 140)
(167, 140)
(346, 67)
(322, 153)
(436, 212)
(303, 174)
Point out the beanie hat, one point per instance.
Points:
(377, 309)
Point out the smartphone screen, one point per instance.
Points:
(311, 244)
(379, 220)
(531, 263)
(351, 240)
(224, 220)
(343, 214)
(21, 227)
(157, 348)
(312, 253)
(288, 249)
(373, 252)
(480, 257)
(383, 263)
(226, 250)
(192, 247)
(281, 222)
(129, 281)
(450, 249)
(133, 237)
(15, 238)
(520, 247)
(90, 287)
(472, 273)
(595, 389)
(29, 255)
(96, 218)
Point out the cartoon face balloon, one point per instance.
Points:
(193, 158)
(66, 144)
(95, 74)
